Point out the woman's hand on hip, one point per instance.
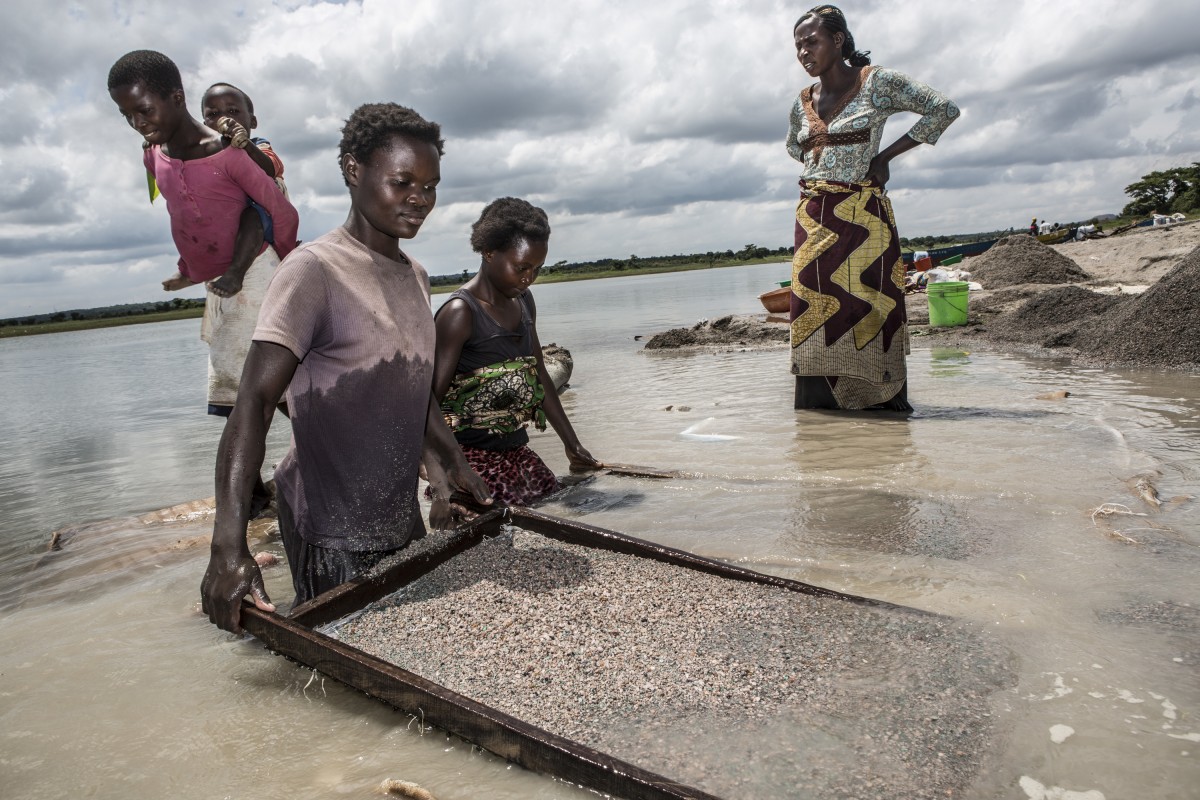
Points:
(879, 172)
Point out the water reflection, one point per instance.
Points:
(946, 362)
(862, 490)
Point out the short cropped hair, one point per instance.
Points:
(506, 220)
(372, 124)
(223, 85)
(156, 71)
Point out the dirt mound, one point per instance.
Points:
(724, 332)
(1160, 327)
(1022, 259)
(1001, 299)
(1056, 317)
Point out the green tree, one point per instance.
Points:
(1164, 191)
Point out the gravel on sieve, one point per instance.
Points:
(659, 664)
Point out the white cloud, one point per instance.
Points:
(641, 127)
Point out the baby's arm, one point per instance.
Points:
(262, 159)
(239, 137)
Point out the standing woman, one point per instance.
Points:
(849, 337)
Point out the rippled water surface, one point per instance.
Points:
(980, 506)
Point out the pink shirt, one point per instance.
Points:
(205, 199)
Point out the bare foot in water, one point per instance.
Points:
(225, 286)
(176, 282)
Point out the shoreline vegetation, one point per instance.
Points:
(13, 329)
(191, 308)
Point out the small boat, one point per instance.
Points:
(559, 365)
(777, 301)
(1054, 237)
(938, 254)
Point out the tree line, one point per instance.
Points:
(635, 262)
(1167, 191)
(105, 312)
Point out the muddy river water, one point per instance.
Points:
(987, 504)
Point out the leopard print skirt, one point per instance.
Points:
(516, 477)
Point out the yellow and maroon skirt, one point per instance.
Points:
(849, 333)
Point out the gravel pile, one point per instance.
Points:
(1000, 300)
(698, 677)
(1022, 259)
(728, 331)
(1160, 327)
(1052, 318)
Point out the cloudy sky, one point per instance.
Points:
(642, 127)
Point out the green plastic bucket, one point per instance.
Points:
(947, 304)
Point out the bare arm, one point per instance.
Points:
(232, 573)
(239, 137)
(453, 330)
(445, 465)
(577, 454)
(447, 469)
(880, 170)
(260, 158)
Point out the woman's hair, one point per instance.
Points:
(156, 71)
(373, 124)
(833, 20)
(506, 220)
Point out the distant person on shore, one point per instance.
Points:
(346, 332)
(489, 376)
(224, 209)
(849, 332)
(1033, 227)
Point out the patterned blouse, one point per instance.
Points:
(843, 149)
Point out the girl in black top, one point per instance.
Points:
(489, 375)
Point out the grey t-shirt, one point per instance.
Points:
(361, 327)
